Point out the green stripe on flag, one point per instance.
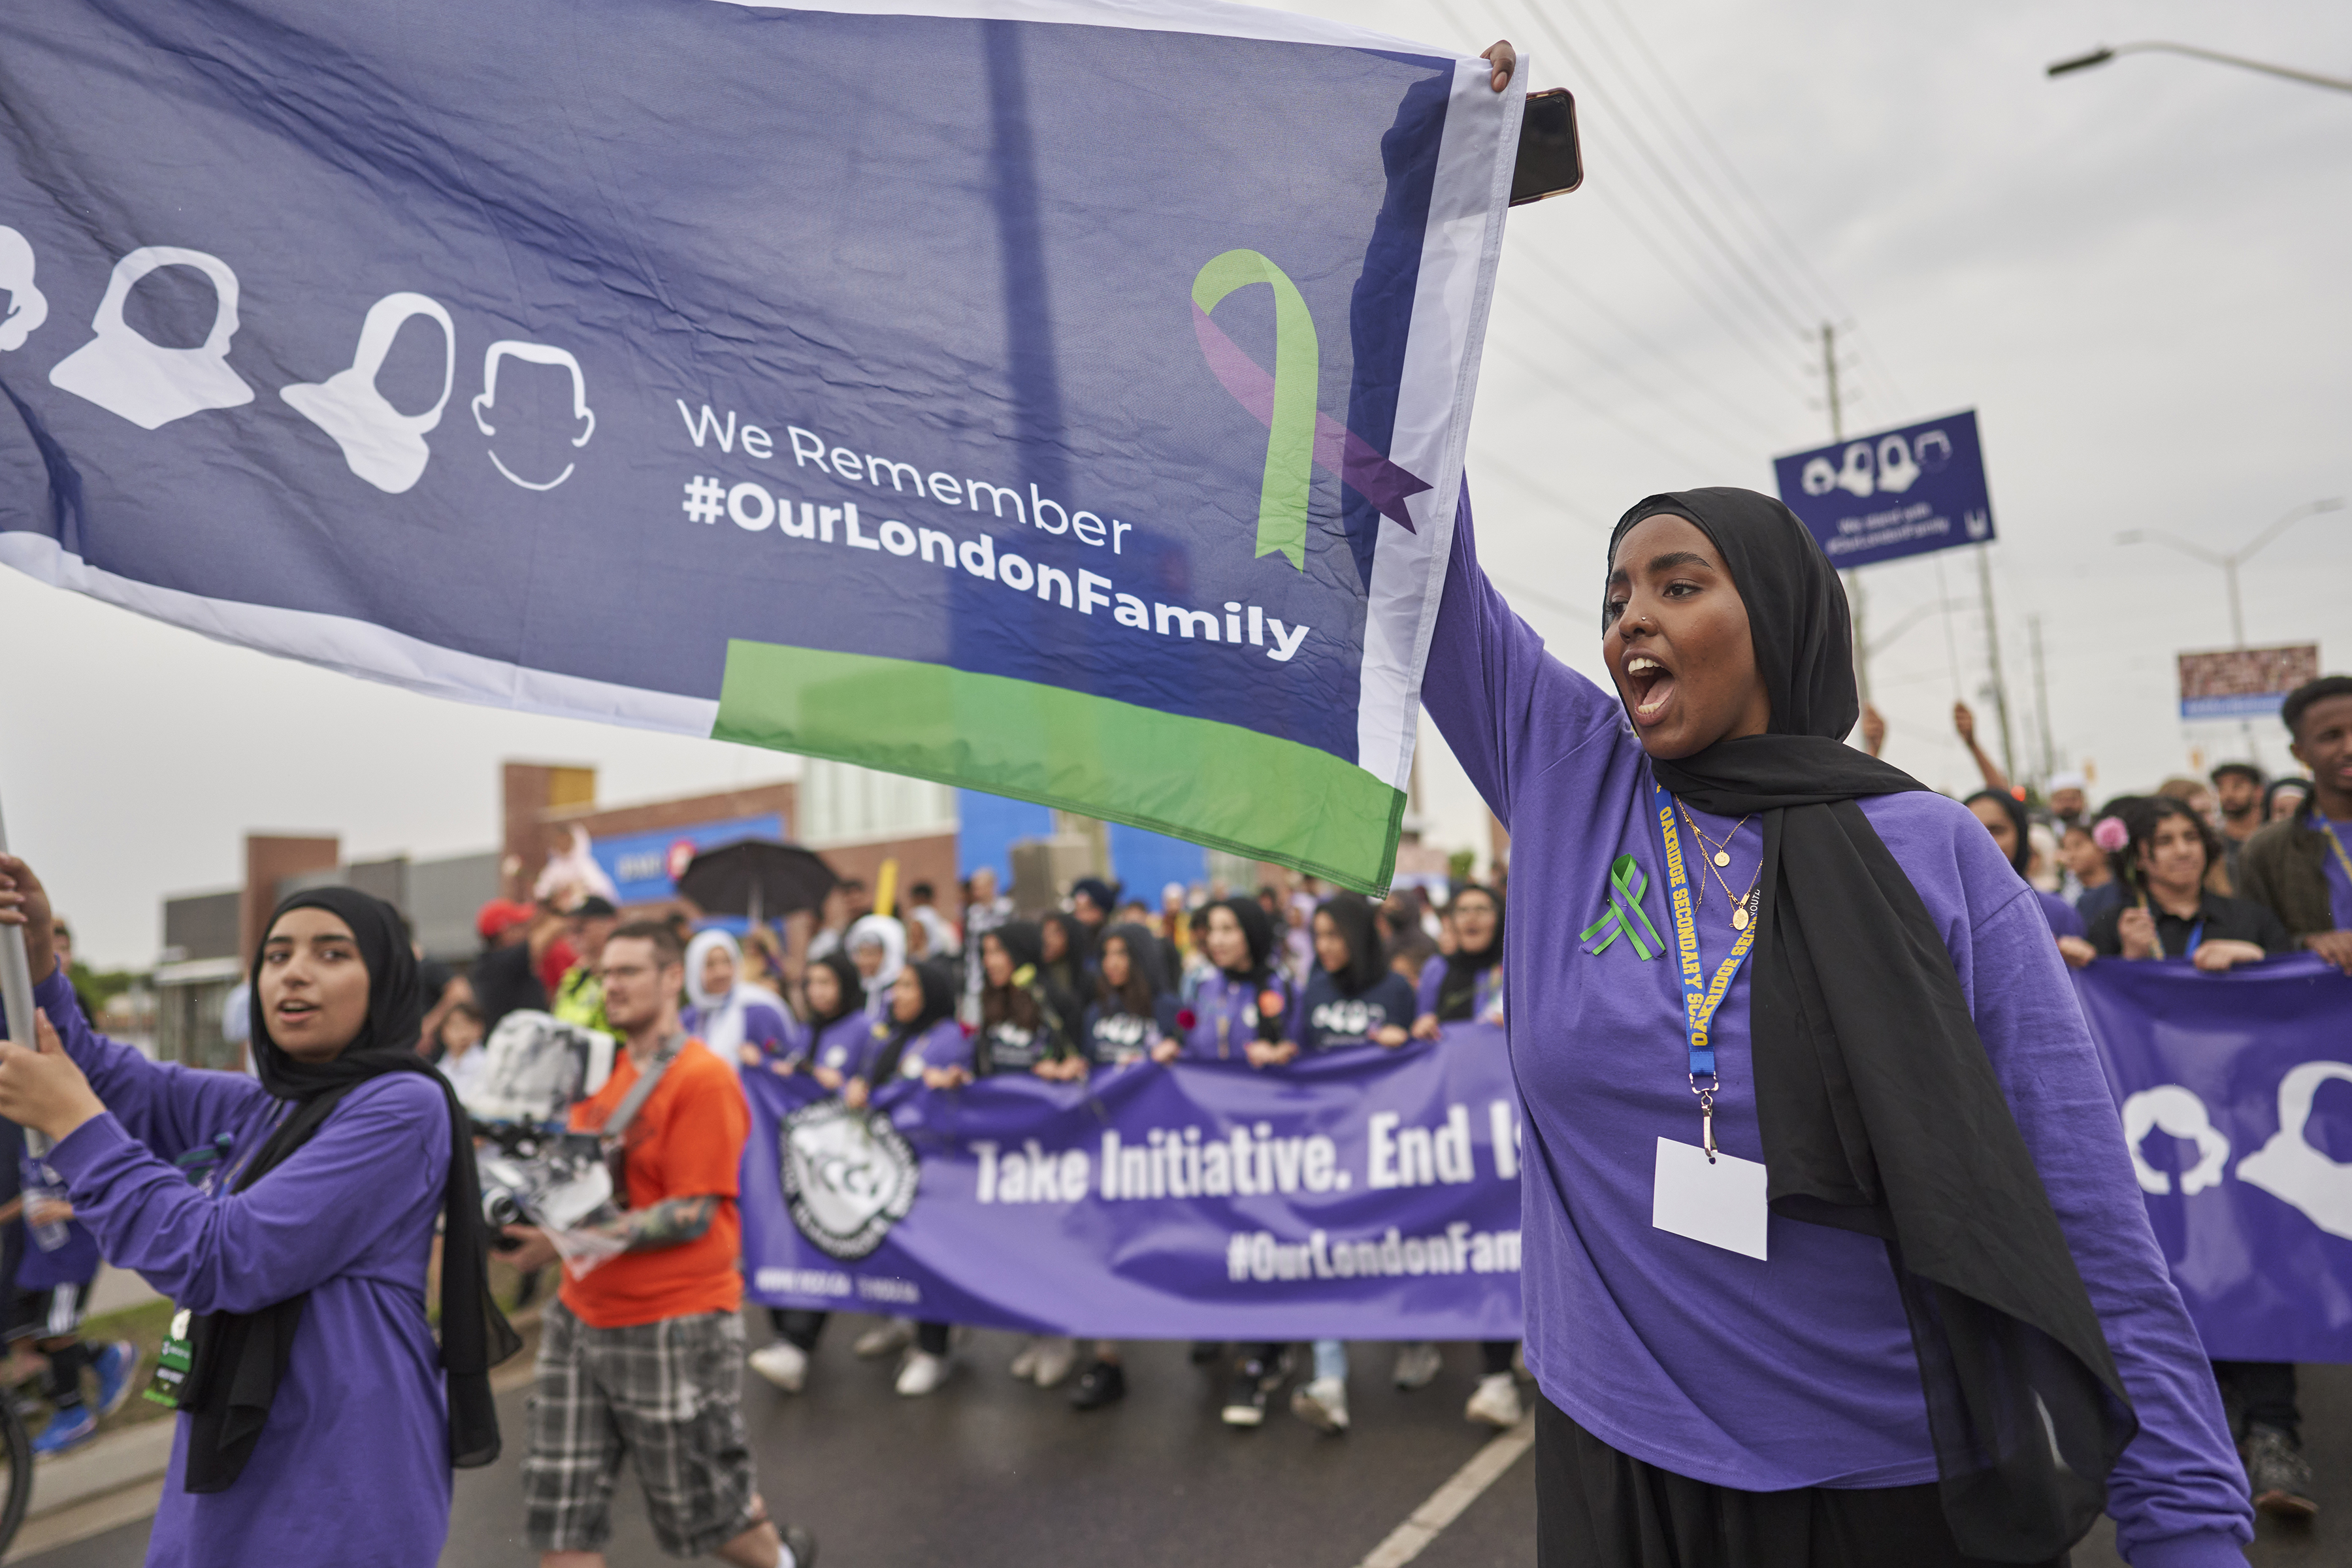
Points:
(1213, 784)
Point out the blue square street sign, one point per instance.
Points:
(1892, 494)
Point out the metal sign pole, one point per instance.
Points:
(15, 972)
(17, 993)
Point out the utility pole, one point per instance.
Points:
(1992, 656)
(2041, 697)
(1853, 597)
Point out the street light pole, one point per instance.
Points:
(2102, 54)
(2231, 562)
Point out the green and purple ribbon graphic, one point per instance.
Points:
(1299, 436)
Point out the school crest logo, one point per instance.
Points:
(849, 1177)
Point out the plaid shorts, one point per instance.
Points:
(668, 1395)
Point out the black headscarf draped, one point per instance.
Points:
(1879, 1109)
(939, 1005)
(1458, 990)
(240, 1357)
(1258, 931)
(2014, 809)
(852, 997)
(1353, 916)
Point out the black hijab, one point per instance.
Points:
(1353, 916)
(1258, 931)
(2014, 809)
(1879, 1109)
(1458, 990)
(240, 1357)
(852, 997)
(939, 1005)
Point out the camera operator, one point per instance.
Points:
(292, 1214)
(644, 1354)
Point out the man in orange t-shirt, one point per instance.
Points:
(645, 1353)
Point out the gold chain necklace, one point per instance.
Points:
(1743, 909)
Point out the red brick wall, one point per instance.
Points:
(270, 858)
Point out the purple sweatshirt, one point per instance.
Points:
(1485, 991)
(1766, 1375)
(353, 1463)
(1224, 1016)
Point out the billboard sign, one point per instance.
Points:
(1899, 492)
(646, 866)
(2245, 682)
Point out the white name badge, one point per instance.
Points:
(1720, 1203)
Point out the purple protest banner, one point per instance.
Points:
(1361, 1195)
(2236, 1096)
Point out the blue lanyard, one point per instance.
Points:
(1701, 997)
(2196, 932)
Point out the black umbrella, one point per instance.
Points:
(757, 878)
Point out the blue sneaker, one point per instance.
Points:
(67, 1429)
(118, 1370)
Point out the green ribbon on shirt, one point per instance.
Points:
(1624, 917)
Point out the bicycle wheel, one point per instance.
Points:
(17, 1485)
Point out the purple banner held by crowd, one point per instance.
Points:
(1366, 1194)
(2236, 1096)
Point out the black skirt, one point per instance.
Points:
(1596, 1508)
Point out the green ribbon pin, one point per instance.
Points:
(1624, 915)
(1290, 422)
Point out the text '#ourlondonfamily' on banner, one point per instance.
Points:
(2236, 1096)
(1085, 427)
(1366, 1194)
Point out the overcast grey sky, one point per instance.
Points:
(2135, 275)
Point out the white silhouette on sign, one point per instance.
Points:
(147, 383)
(2172, 1108)
(1932, 450)
(28, 307)
(531, 353)
(1896, 471)
(384, 445)
(1977, 523)
(2290, 1169)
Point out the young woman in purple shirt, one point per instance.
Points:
(291, 1218)
(1833, 1249)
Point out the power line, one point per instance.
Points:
(1549, 375)
(1706, 384)
(1795, 263)
(1543, 315)
(1699, 217)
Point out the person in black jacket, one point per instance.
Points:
(2166, 911)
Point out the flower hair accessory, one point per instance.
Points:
(1186, 1018)
(2110, 834)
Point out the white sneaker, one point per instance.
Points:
(1322, 1404)
(1497, 1402)
(1418, 1362)
(783, 1364)
(1024, 1365)
(886, 1338)
(1055, 1356)
(922, 1374)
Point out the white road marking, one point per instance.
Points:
(1444, 1505)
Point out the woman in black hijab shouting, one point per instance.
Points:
(291, 1219)
(1833, 1251)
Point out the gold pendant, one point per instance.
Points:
(1739, 916)
(1723, 857)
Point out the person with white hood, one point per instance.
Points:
(743, 1024)
(877, 945)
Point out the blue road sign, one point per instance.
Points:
(1895, 493)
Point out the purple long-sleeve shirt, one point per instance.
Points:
(1798, 1370)
(352, 1467)
(1485, 991)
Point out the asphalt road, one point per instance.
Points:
(988, 1471)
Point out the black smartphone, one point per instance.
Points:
(1550, 163)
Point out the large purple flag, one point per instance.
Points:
(2236, 1095)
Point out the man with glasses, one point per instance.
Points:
(642, 1358)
